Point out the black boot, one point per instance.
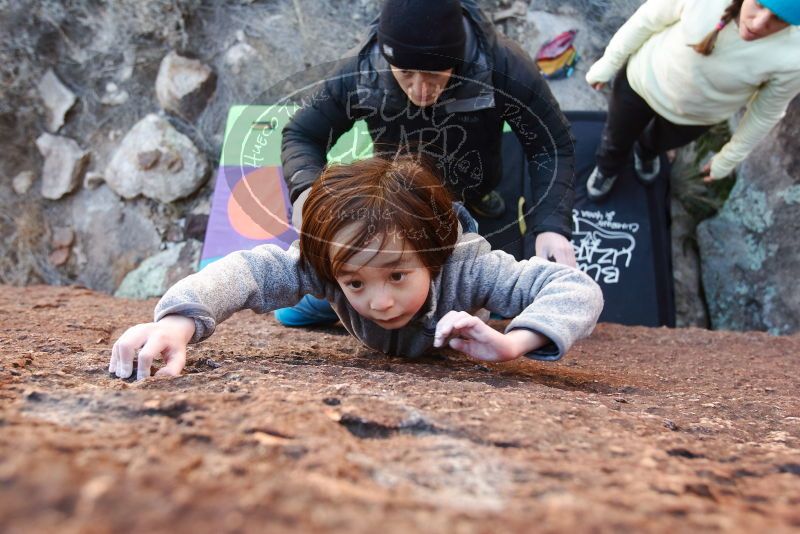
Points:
(598, 186)
(647, 170)
(489, 206)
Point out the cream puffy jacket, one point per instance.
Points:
(686, 87)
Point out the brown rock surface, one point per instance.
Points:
(277, 430)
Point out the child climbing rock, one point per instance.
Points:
(382, 243)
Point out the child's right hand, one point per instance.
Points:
(168, 338)
(466, 333)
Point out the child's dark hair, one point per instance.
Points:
(399, 197)
(706, 46)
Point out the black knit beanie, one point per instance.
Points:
(422, 34)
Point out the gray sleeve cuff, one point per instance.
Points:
(204, 323)
(551, 352)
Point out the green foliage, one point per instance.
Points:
(702, 200)
(712, 141)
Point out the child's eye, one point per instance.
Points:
(396, 277)
(354, 284)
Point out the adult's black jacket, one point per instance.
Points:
(461, 132)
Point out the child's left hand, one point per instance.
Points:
(475, 338)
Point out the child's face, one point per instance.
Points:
(388, 287)
(757, 22)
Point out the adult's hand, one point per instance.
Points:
(556, 246)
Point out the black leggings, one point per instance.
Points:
(630, 118)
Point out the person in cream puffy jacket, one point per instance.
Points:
(680, 66)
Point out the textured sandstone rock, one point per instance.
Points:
(22, 182)
(114, 96)
(690, 309)
(184, 85)
(58, 99)
(157, 161)
(111, 57)
(93, 180)
(59, 256)
(63, 236)
(270, 429)
(61, 242)
(64, 164)
(239, 56)
(517, 9)
(114, 237)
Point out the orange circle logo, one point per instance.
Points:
(256, 207)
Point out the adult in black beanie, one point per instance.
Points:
(422, 34)
(424, 42)
(433, 76)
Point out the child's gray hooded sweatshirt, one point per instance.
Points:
(556, 301)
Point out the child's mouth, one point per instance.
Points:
(388, 321)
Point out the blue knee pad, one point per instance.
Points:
(309, 311)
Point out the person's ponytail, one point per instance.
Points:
(706, 46)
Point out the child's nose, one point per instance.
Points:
(762, 20)
(381, 301)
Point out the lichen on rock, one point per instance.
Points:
(157, 273)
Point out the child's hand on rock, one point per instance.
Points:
(167, 338)
(468, 334)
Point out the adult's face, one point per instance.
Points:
(757, 22)
(422, 87)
